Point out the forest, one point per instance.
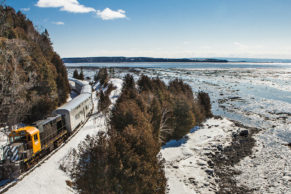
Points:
(33, 78)
(147, 114)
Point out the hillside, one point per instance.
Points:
(33, 79)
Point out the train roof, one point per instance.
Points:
(45, 121)
(75, 102)
(79, 82)
(29, 129)
(86, 89)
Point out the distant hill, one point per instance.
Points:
(134, 60)
(33, 78)
(257, 60)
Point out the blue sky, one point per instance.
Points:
(164, 28)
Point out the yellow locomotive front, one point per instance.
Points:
(24, 144)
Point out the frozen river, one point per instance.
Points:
(257, 95)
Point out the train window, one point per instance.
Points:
(35, 138)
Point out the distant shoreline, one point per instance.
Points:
(236, 62)
(140, 60)
(180, 65)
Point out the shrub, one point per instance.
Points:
(103, 103)
(110, 88)
(76, 74)
(81, 75)
(204, 101)
(102, 76)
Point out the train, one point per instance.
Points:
(28, 144)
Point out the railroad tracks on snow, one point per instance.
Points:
(6, 187)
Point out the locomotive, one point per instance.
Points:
(28, 144)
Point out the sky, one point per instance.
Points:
(164, 28)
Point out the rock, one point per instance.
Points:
(175, 166)
(219, 147)
(210, 164)
(244, 133)
(192, 180)
(209, 172)
(201, 163)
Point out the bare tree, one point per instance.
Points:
(164, 129)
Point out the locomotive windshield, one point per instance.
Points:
(18, 137)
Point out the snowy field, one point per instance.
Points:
(256, 97)
(186, 166)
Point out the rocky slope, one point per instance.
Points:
(33, 78)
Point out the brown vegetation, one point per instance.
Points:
(76, 74)
(102, 76)
(127, 160)
(33, 78)
(104, 102)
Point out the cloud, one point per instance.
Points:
(108, 14)
(240, 45)
(25, 9)
(186, 42)
(74, 6)
(65, 5)
(58, 23)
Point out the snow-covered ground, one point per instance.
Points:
(186, 166)
(256, 97)
(48, 178)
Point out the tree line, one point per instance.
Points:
(126, 159)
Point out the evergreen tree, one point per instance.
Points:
(81, 75)
(76, 74)
(112, 72)
(96, 77)
(184, 119)
(103, 102)
(205, 103)
(102, 76)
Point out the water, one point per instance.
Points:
(264, 89)
(184, 65)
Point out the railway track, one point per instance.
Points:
(6, 187)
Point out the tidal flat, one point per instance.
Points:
(255, 97)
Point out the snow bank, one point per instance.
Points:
(3, 138)
(186, 166)
(115, 93)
